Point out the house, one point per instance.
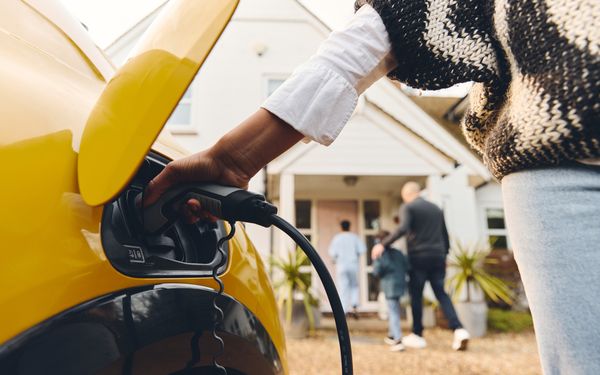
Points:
(392, 138)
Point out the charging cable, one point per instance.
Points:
(234, 204)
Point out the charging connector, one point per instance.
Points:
(225, 202)
(234, 204)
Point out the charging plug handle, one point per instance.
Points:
(225, 202)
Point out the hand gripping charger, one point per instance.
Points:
(234, 204)
(225, 202)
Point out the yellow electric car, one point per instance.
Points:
(84, 289)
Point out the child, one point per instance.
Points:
(391, 268)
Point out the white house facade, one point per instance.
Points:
(389, 140)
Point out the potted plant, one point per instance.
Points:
(295, 300)
(471, 283)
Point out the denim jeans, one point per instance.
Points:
(432, 269)
(553, 221)
(394, 329)
(347, 283)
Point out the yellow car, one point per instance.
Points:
(84, 290)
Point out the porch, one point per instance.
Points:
(358, 178)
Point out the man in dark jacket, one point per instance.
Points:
(423, 224)
(391, 270)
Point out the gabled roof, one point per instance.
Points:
(421, 116)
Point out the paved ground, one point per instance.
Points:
(494, 354)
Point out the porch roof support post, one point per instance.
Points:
(434, 189)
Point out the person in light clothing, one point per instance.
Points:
(345, 251)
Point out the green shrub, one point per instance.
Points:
(509, 321)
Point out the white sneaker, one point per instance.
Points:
(414, 341)
(397, 348)
(461, 339)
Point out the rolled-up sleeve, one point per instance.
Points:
(321, 95)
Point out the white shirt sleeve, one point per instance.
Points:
(321, 95)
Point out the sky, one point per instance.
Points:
(107, 19)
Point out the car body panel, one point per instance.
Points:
(51, 256)
(155, 76)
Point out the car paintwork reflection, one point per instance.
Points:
(164, 329)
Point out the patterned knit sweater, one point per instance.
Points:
(535, 64)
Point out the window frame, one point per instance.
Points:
(488, 232)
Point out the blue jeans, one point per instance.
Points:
(347, 280)
(432, 269)
(553, 220)
(394, 329)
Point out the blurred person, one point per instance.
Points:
(391, 268)
(427, 243)
(345, 251)
(534, 117)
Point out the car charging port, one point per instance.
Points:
(182, 250)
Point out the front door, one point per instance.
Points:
(329, 215)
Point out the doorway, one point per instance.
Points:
(363, 216)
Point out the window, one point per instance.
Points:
(371, 214)
(182, 115)
(303, 219)
(273, 84)
(496, 228)
(303, 210)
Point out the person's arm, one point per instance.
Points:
(234, 159)
(439, 43)
(315, 103)
(400, 231)
(321, 95)
(445, 235)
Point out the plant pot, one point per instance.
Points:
(473, 316)
(299, 327)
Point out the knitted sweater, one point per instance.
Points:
(535, 64)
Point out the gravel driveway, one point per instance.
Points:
(513, 354)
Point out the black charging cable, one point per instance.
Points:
(234, 204)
